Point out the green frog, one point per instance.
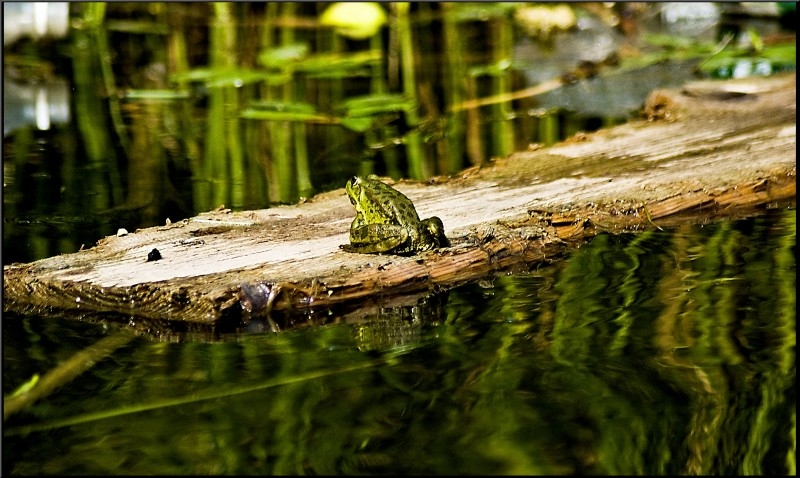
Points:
(386, 221)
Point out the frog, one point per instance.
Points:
(387, 222)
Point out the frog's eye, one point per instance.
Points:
(353, 180)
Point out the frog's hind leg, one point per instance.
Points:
(375, 238)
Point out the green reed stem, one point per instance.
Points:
(100, 36)
(260, 143)
(502, 129)
(178, 62)
(255, 178)
(236, 165)
(474, 133)
(90, 113)
(214, 157)
(379, 85)
(296, 89)
(94, 17)
(304, 187)
(417, 167)
(215, 161)
(282, 131)
(548, 129)
(378, 78)
(454, 90)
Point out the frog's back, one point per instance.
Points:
(393, 204)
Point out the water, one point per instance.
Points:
(669, 352)
(664, 352)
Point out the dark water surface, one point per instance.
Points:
(665, 352)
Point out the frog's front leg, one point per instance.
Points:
(372, 238)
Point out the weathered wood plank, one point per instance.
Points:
(703, 155)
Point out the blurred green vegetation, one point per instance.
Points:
(183, 107)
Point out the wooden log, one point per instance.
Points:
(709, 150)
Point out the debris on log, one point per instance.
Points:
(709, 150)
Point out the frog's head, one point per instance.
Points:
(365, 196)
(366, 193)
(354, 189)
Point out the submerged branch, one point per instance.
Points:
(66, 372)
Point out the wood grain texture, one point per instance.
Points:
(701, 155)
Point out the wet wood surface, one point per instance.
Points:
(707, 151)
